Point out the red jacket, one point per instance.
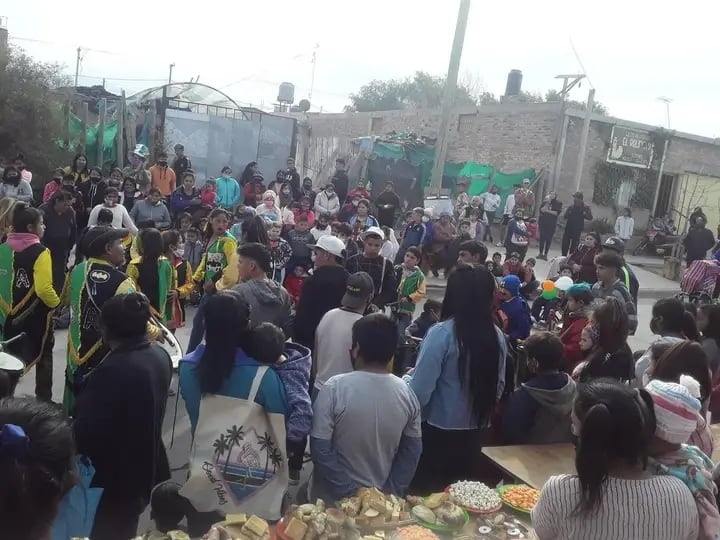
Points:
(511, 269)
(570, 336)
(293, 285)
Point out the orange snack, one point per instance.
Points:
(523, 497)
(415, 532)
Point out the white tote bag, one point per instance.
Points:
(238, 458)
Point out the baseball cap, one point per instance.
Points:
(376, 231)
(359, 289)
(331, 244)
(95, 239)
(615, 243)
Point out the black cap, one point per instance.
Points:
(95, 239)
(616, 244)
(360, 287)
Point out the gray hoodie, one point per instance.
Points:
(269, 302)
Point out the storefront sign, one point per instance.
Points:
(631, 147)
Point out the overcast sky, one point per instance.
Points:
(633, 50)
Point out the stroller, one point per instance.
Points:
(701, 282)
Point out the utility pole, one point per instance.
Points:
(170, 76)
(449, 97)
(312, 77)
(584, 138)
(667, 101)
(77, 65)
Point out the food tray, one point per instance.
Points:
(478, 511)
(502, 489)
(445, 528)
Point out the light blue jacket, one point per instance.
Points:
(271, 394)
(436, 379)
(228, 192)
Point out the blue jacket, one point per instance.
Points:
(518, 316)
(228, 192)
(436, 379)
(271, 394)
(414, 235)
(295, 375)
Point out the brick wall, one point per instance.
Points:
(511, 137)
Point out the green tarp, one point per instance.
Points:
(480, 174)
(109, 146)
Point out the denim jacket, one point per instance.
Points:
(436, 380)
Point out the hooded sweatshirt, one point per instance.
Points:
(516, 310)
(144, 211)
(269, 302)
(539, 411)
(42, 268)
(269, 213)
(295, 375)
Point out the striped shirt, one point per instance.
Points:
(658, 508)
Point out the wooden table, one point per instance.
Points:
(533, 463)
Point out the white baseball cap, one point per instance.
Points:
(377, 231)
(332, 244)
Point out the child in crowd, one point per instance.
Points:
(512, 265)
(411, 289)
(321, 227)
(193, 249)
(208, 193)
(305, 209)
(242, 215)
(184, 284)
(498, 264)
(575, 319)
(292, 363)
(532, 227)
(390, 245)
(344, 233)
(135, 246)
(105, 218)
(429, 316)
(515, 309)
(677, 414)
(473, 225)
(453, 250)
(183, 222)
(280, 251)
(530, 284)
(168, 508)
(359, 190)
(294, 283)
(538, 412)
(300, 240)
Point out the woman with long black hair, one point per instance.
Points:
(153, 274)
(459, 378)
(614, 495)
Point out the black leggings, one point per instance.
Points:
(546, 236)
(570, 242)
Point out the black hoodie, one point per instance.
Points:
(321, 292)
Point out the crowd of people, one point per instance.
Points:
(306, 296)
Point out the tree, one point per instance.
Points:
(421, 91)
(235, 435)
(31, 118)
(598, 107)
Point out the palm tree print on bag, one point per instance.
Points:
(238, 457)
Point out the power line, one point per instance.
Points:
(121, 79)
(577, 57)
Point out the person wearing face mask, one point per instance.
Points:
(327, 201)
(20, 165)
(121, 218)
(307, 191)
(152, 209)
(163, 177)
(228, 190)
(93, 194)
(68, 186)
(14, 186)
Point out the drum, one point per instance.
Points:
(169, 343)
(13, 367)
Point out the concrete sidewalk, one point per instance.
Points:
(652, 286)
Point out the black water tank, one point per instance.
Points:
(514, 83)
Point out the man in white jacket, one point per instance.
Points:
(327, 201)
(121, 218)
